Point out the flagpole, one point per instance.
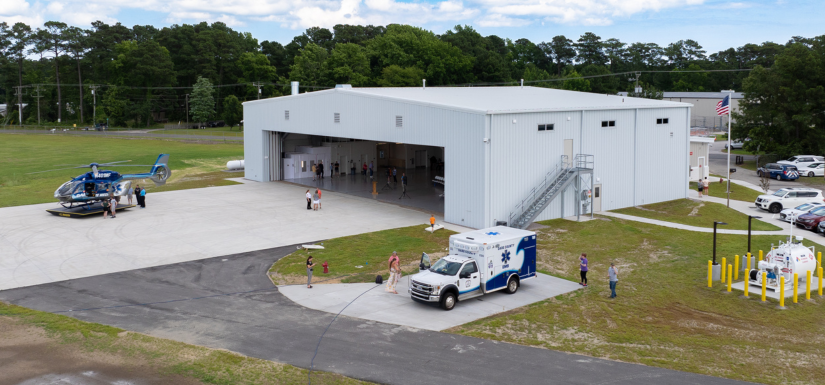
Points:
(730, 148)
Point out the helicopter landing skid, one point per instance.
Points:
(84, 210)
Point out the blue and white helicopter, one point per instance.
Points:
(88, 188)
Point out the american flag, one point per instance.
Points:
(723, 107)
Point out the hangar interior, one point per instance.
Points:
(423, 166)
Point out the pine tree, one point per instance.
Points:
(202, 103)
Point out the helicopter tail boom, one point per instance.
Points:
(160, 171)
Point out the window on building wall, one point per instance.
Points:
(303, 166)
(608, 123)
(286, 114)
(546, 127)
(337, 117)
(399, 121)
(662, 121)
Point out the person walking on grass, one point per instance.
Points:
(613, 275)
(701, 187)
(432, 223)
(395, 273)
(309, 200)
(583, 267)
(310, 265)
(706, 185)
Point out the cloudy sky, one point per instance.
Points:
(715, 24)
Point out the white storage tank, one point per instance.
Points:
(234, 165)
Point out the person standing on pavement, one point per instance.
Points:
(310, 265)
(364, 169)
(130, 192)
(137, 194)
(613, 275)
(143, 198)
(309, 200)
(583, 268)
(404, 181)
(318, 193)
(113, 206)
(394, 177)
(316, 201)
(105, 204)
(706, 186)
(395, 273)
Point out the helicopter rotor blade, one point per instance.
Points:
(57, 169)
(110, 163)
(130, 165)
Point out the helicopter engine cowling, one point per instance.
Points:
(160, 174)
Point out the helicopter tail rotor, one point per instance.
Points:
(161, 171)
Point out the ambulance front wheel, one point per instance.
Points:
(512, 285)
(448, 301)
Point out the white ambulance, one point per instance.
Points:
(479, 262)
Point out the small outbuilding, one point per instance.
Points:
(504, 154)
(699, 156)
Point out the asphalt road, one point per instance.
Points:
(718, 163)
(227, 302)
(155, 134)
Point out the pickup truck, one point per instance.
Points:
(479, 262)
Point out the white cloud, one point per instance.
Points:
(300, 14)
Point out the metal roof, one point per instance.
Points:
(499, 100)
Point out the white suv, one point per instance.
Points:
(803, 160)
(788, 197)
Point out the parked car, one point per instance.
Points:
(811, 220)
(788, 197)
(815, 169)
(802, 160)
(790, 215)
(778, 171)
(821, 228)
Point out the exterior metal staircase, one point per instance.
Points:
(553, 184)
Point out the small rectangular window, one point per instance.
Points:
(662, 121)
(399, 121)
(286, 114)
(303, 165)
(608, 123)
(337, 117)
(549, 127)
(541, 127)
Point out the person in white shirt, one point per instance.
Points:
(309, 201)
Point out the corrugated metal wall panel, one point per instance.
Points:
(612, 148)
(253, 139)
(661, 155)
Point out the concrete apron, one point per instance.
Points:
(382, 306)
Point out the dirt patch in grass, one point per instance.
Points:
(37, 346)
(664, 315)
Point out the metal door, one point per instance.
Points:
(597, 198)
(469, 281)
(568, 149)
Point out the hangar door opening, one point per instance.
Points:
(351, 166)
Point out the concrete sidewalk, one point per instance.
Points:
(37, 247)
(379, 305)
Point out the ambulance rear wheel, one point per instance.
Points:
(448, 301)
(512, 285)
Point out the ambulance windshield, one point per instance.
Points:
(446, 267)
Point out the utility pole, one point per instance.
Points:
(93, 87)
(38, 102)
(20, 104)
(259, 85)
(636, 89)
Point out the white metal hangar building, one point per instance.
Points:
(506, 154)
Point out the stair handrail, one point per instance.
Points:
(550, 179)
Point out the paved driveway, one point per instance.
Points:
(193, 302)
(176, 226)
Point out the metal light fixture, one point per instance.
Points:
(714, 239)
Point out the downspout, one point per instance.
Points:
(635, 128)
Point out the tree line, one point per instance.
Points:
(143, 75)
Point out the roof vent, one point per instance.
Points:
(343, 86)
(399, 121)
(337, 117)
(286, 114)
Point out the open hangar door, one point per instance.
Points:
(301, 156)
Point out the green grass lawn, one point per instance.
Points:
(664, 315)
(193, 164)
(370, 251)
(164, 356)
(693, 213)
(737, 192)
(214, 131)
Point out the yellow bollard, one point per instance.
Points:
(808, 286)
(724, 264)
(819, 259)
(710, 273)
(760, 255)
(820, 280)
(730, 274)
(747, 284)
(748, 266)
(736, 263)
(782, 290)
(795, 285)
(764, 285)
